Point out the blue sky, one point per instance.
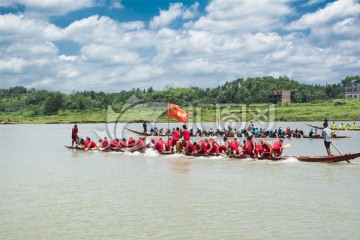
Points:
(111, 45)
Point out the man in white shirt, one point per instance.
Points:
(326, 133)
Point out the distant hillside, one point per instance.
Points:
(32, 102)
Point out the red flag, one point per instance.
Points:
(175, 111)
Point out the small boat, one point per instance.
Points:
(325, 159)
(335, 129)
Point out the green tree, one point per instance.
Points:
(53, 103)
(346, 81)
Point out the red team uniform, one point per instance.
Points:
(277, 148)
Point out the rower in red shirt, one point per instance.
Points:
(214, 148)
(90, 144)
(266, 150)
(224, 148)
(139, 146)
(277, 147)
(169, 146)
(122, 144)
(131, 142)
(114, 144)
(176, 136)
(159, 145)
(203, 148)
(186, 133)
(104, 144)
(251, 147)
(191, 147)
(259, 147)
(244, 148)
(234, 147)
(187, 147)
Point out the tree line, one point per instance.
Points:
(241, 91)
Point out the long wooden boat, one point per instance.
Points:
(325, 159)
(320, 137)
(335, 129)
(272, 137)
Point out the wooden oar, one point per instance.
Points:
(286, 145)
(338, 151)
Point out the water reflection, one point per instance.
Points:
(180, 166)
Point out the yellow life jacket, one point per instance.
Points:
(341, 127)
(333, 126)
(354, 126)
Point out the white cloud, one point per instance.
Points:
(166, 17)
(243, 16)
(191, 12)
(116, 4)
(232, 39)
(333, 12)
(108, 54)
(312, 2)
(50, 7)
(12, 64)
(67, 58)
(175, 11)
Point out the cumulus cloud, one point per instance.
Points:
(230, 16)
(116, 4)
(331, 13)
(230, 39)
(312, 2)
(49, 7)
(175, 11)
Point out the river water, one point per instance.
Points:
(50, 192)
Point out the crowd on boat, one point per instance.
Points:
(342, 126)
(180, 142)
(240, 133)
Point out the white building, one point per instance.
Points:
(353, 90)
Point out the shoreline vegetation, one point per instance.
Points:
(237, 101)
(334, 110)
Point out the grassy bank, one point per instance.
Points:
(334, 110)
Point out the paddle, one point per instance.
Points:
(286, 145)
(338, 151)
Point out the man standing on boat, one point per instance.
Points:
(186, 133)
(176, 137)
(145, 127)
(74, 133)
(326, 133)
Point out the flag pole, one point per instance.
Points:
(168, 123)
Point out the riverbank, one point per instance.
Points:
(334, 110)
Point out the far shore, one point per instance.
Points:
(333, 110)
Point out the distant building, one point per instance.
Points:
(353, 90)
(279, 96)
